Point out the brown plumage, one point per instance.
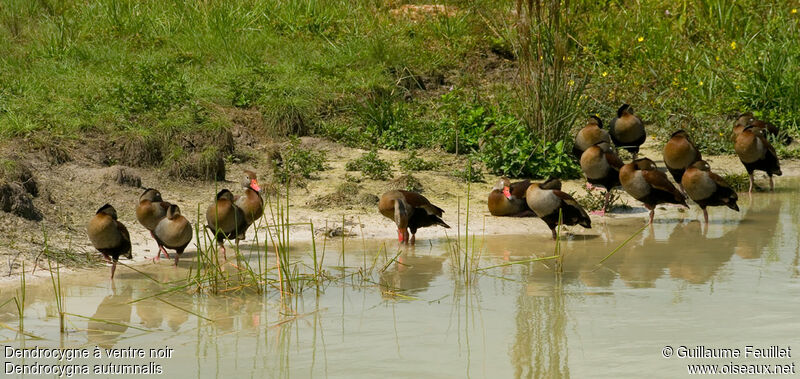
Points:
(642, 180)
(149, 212)
(756, 153)
(601, 167)
(627, 130)
(174, 231)
(251, 203)
(679, 153)
(109, 236)
(547, 200)
(591, 134)
(508, 199)
(226, 220)
(409, 210)
(746, 119)
(707, 188)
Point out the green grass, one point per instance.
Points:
(146, 74)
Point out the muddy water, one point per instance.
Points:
(676, 283)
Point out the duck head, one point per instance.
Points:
(150, 194)
(504, 184)
(701, 165)
(625, 108)
(173, 212)
(107, 209)
(595, 120)
(225, 194)
(250, 181)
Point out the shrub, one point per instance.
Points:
(371, 166)
(414, 163)
(297, 163)
(516, 152)
(471, 173)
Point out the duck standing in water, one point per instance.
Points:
(627, 130)
(508, 199)
(409, 210)
(642, 180)
(601, 167)
(746, 119)
(679, 153)
(226, 220)
(547, 200)
(174, 231)
(756, 153)
(109, 236)
(707, 188)
(591, 134)
(149, 212)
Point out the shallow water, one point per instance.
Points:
(674, 284)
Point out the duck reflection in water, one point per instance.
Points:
(111, 318)
(411, 273)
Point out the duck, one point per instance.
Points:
(600, 164)
(747, 118)
(149, 212)
(547, 201)
(627, 130)
(591, 134)
(679, 153)
(109, 236)
(251, 203)
(508, 199)
(707, 188)
(174, 231)
(644, 182)
(410, 210)
(756, 153)
(226, 220)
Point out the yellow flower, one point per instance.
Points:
(684, 88)
(700, 83)
(733, 45)
(721, 134)
(641, 39)
(571, 82)
(717, 58)
(605, 74)
(794, 10)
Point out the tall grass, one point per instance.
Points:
(551, 94)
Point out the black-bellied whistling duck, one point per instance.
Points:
(251, 203)
(642, 180)
(109, 236)
(174, 231)
(150, 211)
(707, 188)
(226, 220)
(756, 153)
(601, 166)
(508, 199)
(547, 199)
(409, 210)
(591, 134)
(679, 153)
(627, 130)
(746, 119)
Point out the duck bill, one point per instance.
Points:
(254, 185)
(507, 192)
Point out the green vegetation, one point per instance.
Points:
(371, 166)
(413, 163)
(296, 163)
(154, 82)
(470, 174)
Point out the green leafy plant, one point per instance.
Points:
(371, 166)
(471, 174)
(152, 86)
(413, 163)
(297, 163)
(517, 152)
